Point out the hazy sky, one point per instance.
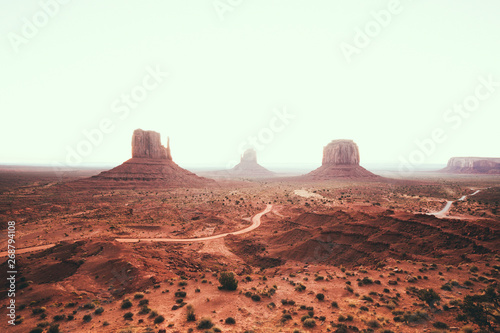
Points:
(383, 73)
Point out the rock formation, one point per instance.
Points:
(341, 152)
(151, 162)
(248, 166)
(487, 165)
(147, 144)
(340, 160)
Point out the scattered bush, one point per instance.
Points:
(128, 316)
(230, 321)
(309, 323)
(320, 296)
(205, 323)
(228, 281)
(87, 318)
(440, 325)
(190, 315)
(159, 319)
(126, 303)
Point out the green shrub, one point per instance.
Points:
(126, 303)
(159, 319)
(190, 315)
(228, 281)
(309, 323)
(440, 325)
(205, 323)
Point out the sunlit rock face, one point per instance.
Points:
(341, 152)
(147, 144)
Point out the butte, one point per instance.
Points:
(151, 164)
(340, 160)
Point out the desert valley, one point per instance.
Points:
(149, 246)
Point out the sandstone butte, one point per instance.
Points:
(151, 162)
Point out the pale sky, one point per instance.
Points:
(66, 67)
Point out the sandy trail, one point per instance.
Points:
(255, 224)
(444, 212)
(29, 249)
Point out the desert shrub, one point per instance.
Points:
(309, 322)
(183, 283)
(440, 325)
(367, 298)
(59, 317)
(126, 303)
(363, 308)
(205, 323)
(144, 302)
(320, 296)
(467, 329)
(230, 321)
(482, 308)
(474, 269)
(228, 281)
(255, 298)
(159, 319)
(89, 305)
(54, 328)
(37, 330)
(285, 317)
(446, 287)
(139, 295)
(181, 294)
(144, 309)
(128, 316)
(190, 315)
(373, 323)
(39, 310)
(300, 287)
(429, 296)
(335, 304)
(99, 310)
(87, 318)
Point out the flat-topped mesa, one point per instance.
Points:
(489, 165)
(147, 144)
(341, 152)
(340, 160)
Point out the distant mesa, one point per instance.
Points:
(473, 165)
(152, 162)
(249, 167)
(340, 160)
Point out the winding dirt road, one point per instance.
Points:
(444, 212)
(255, 224)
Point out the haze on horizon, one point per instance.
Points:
(286, 69)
